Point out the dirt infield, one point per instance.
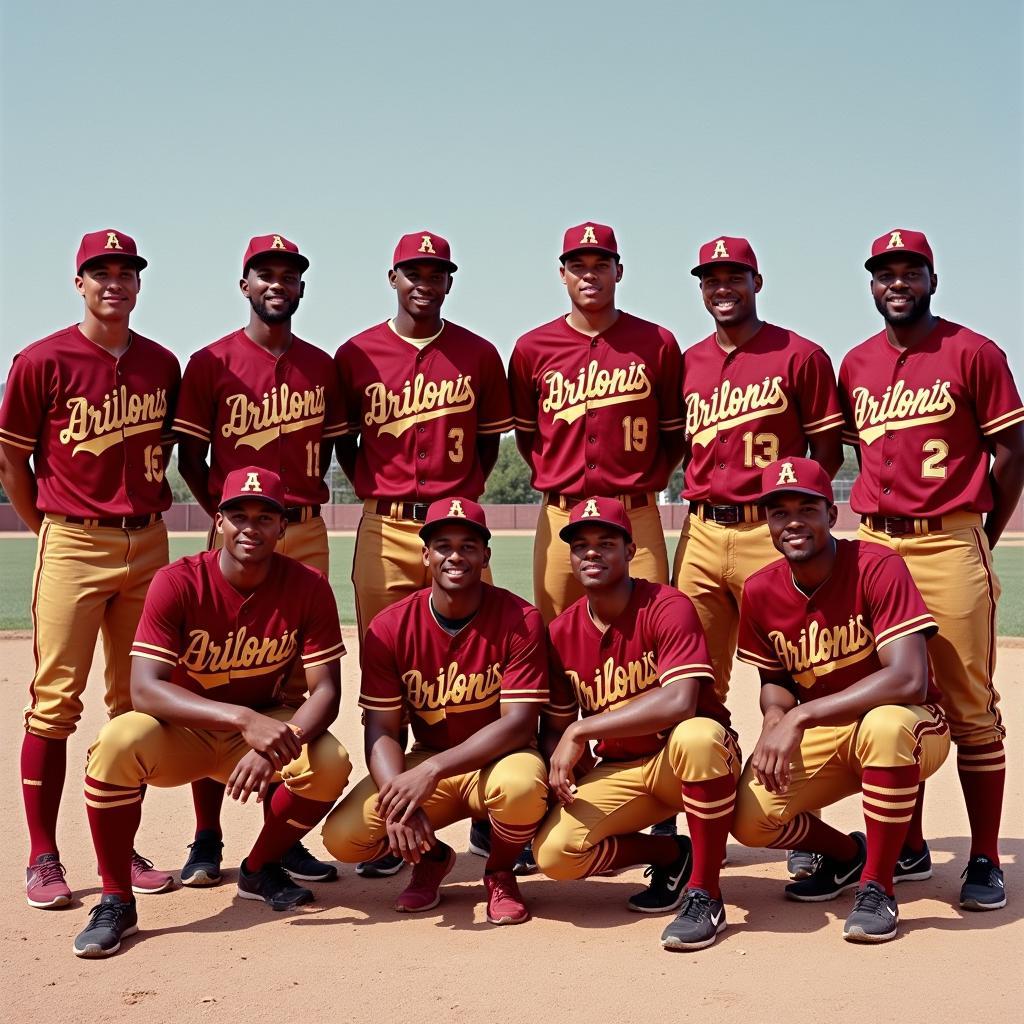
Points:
(202, 955)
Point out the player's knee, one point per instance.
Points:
(886, 736)
(697, 749)
(346, 836)
(752, 825)
(328, 773)
(553, 850)
(518, 794)
(115, 749)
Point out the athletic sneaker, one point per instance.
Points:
(874, 917)
(110, 921)
(44, 883)
(913, 867)
(422, 891)
(831, 877)
(525, 863)
(701, 917)
(665, 891)
(383, 867)
(667, 827)
(304, 867)
(480, 837)
(505, 903)
(983, 888)
(204, 857)
(273, 885)
(800, 864)
(146, 879)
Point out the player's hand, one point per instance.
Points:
(773, 753)
(412, 839)
(561, 777)
(279, 741)
(251, 775)
(399, 799)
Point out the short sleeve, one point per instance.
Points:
(818, 395)
(335, 414)
(563, 704)
(351, 400)
(997, 403)
(669, 385)
(680, 647)
(160, 633)
(495, 415)
(753, 645)
(522, 392)
(321, 631)
(897, 608)
(525, 676)
(196, 408)
(851, 435)
(25, 404)
(381, 686)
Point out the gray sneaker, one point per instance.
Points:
(111, 920)
(913, 867)
(665, 891)
(874, 917)
(983, 888)
(700, 919)
(831, 878)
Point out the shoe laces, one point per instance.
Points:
(870, 899)
(978, 871)
(299, 850)
(503, 883)
(204, 846)
(107, 914)
(140, 862)
(276, 875)
(696, 906)
(49, 870)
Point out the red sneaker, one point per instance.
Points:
(422, 891)
(146, 879)
(44, 883)
(504, 902)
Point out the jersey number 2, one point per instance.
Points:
(935, 454)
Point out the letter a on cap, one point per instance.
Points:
(427, 245)
(457, 509)
(277, 243)
(113, 242)
(895, 240)
(252, 483)
(720, 253)
(787, 474)
(589, 238)
(590, 509)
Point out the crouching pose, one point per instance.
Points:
(631, 656)
(838, 632)
(467, 662)
(219, 635)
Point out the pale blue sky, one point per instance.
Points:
(809, 127)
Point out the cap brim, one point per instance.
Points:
(251, 497)
(429, 528)
(566, 532)
(297, 257)
(451, 267)
(587, 248)
(873, 261)
(696, 272)
(789, 489)
(140, 263)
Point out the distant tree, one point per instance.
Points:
(509, 483)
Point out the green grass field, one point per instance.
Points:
(511, 564)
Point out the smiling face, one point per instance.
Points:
(110, 288)
(590, 278)
(456, 556)
(600, 556)
(800, 524)
(251, 530)
(274, 286)
(729, 291)
(902, 288)
(421, 287)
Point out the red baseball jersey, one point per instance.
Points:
(418, 411)
(922, 416)
(750, 407)
(94, 423)
(818, 645)
(452, 686)
(595, 408)
(656, 641)
(257, 409)
(231, 647)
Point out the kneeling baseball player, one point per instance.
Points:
(631, 656)
(838, 631)
(468, 663)
(213, 651)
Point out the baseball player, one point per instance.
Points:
(837, 631)
(938, 425)
(630, 655)
(264, 396)
(91, 407)
(595, 395)
(213, 652)
(467, 662)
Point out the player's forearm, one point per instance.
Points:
(385, 757)
(673, 444)
(1007, 480)
(889, 685)
(524, 442)
(19, 483)
(487, 446)
(826, 448)
(177, 706)
(318, 711)
(661, 709)
(484, 747)
(347, 448)
(551, 731)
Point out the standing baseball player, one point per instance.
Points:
(595, 395)
(91, 407)
(630, 655)
(838, 632)
(214, 650)
(261, 395)
(939, 428)
(467, 662)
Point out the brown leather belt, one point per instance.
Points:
(629, 501)
(115, 522)
(301, 513)
(900, 526)
(415, 510)
(728, 515)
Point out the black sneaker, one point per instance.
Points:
(304, 867)
(700, 919)
(913, 867)
(383, 867)
(480, 838)
(272, 885)
(667, 827)
(831, 877)
(874, 917)
(110, 921)
(983, 888)
(204, 857)
(665, 891)
(801, 864)
(525, 864)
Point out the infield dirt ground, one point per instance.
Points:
(202, 955)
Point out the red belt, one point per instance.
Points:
(563, 501)
(416, 510)
(900, 526)
(297, 513)
(729, 515)
(115, 522)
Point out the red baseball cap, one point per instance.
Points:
(805, 476)
(725, 249)
(252, 483)
(455, 510)
(898, 241)
(423, 245)
(589, 236)
(104, 244)
(597, 512)
(274, 245)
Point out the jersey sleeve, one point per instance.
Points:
(753, 645)
(818, 394)
(669, 386)
(997, 402)
(25, 403)
(494, 403)
(563, 705)
(897, 608)
(522, 392)
(525, 677)
(679, 643)
(321, 631)
(851, 436)
(161, 631)
(173, 393)
(380, 688)
(335, 414)
(196, 413)
(351, 401)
